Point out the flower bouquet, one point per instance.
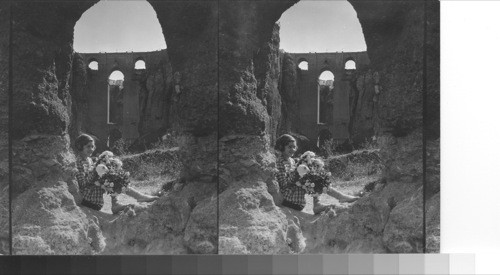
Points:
(109, 174)
(312, 175)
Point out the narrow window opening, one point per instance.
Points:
(115, 97)
(325, 97)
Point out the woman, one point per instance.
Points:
(293, 195)
(92, 194)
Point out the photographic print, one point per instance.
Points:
(115, 133)
(221, 127)
(322, 141)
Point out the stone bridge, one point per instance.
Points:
(139, 107)
(333, 122)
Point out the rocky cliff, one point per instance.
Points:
(4, 126)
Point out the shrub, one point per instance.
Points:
(121, 147)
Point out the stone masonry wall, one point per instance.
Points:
(146, 95)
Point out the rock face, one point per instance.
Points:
(289, 121)
(155, 98)
(250, 223)
(4, 128)
(268, 70)
(45, 216)
(364, 112)
(246, 129)
(46, 221)
(432, 196)
(431, 128)
(395, 49)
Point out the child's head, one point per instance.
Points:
(286, 144)
(106, 154)
(307, 156)
(317, 164)
(116, 163)
(85, 144)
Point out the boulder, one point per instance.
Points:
(250, 223)
(403, 232)
(157, 229)
(47, 221)
(181, 222)
(200, 235)
(433, 223)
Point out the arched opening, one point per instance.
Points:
(94, 65)
(115, 97)
(140, 65)
(103, 33)
(350, 65)
(325, 96)
(104, 28)
(303, 65)
(321, 26)
(327, 34)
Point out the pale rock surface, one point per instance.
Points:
(250, 223)
(46, 221)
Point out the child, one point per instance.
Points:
(293, 195)
(317, 165)
(91, 193)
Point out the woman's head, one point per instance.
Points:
(286, 144)
(84, 144)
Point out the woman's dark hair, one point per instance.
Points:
(82, 140)
(283, 141)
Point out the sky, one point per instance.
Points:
(308, 26)
(119, 26)
(321, 26)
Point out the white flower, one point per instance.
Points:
(111, 184)
(101, 169)
(302, 170)
(312, 184)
